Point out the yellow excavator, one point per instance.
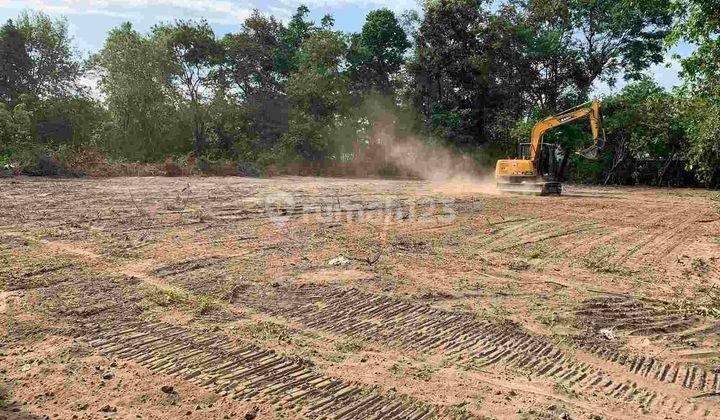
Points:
(537, 171)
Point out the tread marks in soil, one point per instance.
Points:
(421, 328)
(633, 316)
(665, 232)
(248, 372)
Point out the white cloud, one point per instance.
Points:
(225, 12)
(217, 11)
(394, 5)
(667, 74)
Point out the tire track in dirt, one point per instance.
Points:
(134, 209)
(529, 231)
(687, 230)
(38, 278)
(248, 372)
(628, 314)
(554, 233)
(688, 376)
(505, 229)
(536, 227)
(416, 327)
(241, 371)
(636, 318)
(669, 241)
(657, 237)
(606, 238)
(189, 265)
(502, 342)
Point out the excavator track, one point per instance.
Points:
(531, 188)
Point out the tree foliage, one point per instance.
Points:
(449, 70)
(318, 93)
(376, 54)
(643, 122)
(617, 36)
(699, 22)
(249, 65)
(53, 68)
(135, 76)
(193, 56)
(474, 75)
(15, 63)
(44, 106)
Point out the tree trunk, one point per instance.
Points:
(199, 140)
(563, 164)
(611, 172)
(664, 169)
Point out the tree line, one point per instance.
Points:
(465, 74)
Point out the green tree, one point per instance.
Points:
(318, 94)
(15, 126)
(450, 77)
(527, 67)
(547, 50)
(703, 130)
(194, 56)
(298, 30)
(642, 122)
(614, 36)
(15, 63)
(250, 111)
(15, 135)
(377, 53)
(144, 122)
(698, 22)
(249, 65)
(53, 70)
(40, 84)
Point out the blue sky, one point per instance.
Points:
(90, 20)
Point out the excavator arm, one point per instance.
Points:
(591, 111)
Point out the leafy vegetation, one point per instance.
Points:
(600, 261)
(351, 345)
(266, 331)
(464, 74)
(166, 296)
(706, 302)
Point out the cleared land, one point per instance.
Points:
(303, 297)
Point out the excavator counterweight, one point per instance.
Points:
(537, 170)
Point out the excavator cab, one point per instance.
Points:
(538, 176)
(548, 161)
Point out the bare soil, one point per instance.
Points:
(307, 297)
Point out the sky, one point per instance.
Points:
(90, 20)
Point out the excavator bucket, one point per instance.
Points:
(592, 153)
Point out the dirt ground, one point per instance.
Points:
(216, 298)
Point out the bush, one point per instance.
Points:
(15, 125)
(248, 169)
(51, 167)
(704, 151)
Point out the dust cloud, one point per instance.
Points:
(448, 172)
